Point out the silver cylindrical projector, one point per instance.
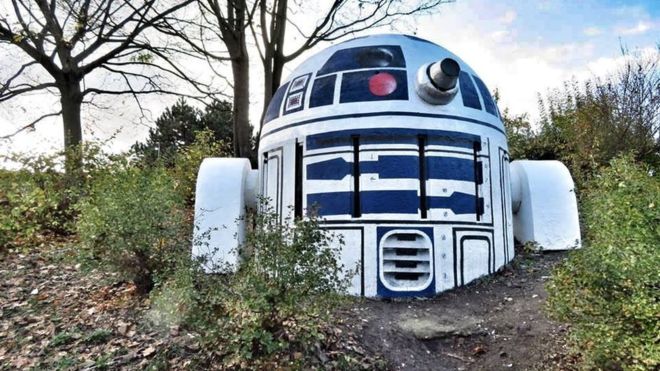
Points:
(436, 82)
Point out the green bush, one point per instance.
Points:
(188, 159)
(37, 199)
(276, 304)
(609, 290)
(133, 222)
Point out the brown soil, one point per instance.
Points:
(513, 330)
(54, 315)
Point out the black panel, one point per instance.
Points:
(485, 94)
(323, 91)
(273, 110)
(468, 91)
(364, 57)
(355, 86)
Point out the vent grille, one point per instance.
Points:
(406, 261)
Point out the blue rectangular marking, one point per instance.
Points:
(458, 203)
(468, 91)
(395, 167)
(323, 91)
(450, 168)
(389, 202)
(390, 136)
(331, 203)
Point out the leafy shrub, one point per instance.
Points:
(276, 303)
(133, 221)
(37, 199)
(609, 289)
(188, 159)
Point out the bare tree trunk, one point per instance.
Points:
(71, 101)
(241, 74)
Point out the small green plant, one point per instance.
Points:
(133, 222)
(99, 336)
(62, 338)
(278, 301)
(609, 289)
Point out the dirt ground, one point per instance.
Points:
(497, 323)
(56, 316)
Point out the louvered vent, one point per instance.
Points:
(406, 261)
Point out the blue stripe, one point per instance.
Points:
(458, 203)
(388, 202)
(332, 203)
(395, 167)
(379, 114)
(392, 167)
(343, 138)
(335, 169)
(450, 168)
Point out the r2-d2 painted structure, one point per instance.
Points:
(398, 146)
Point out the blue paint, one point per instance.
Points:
(334, 169)
(390, 136)
(273, 110)
(392, 167)
(359, 57)
(323, 91)
(332, 203)
(459, 203)
(450, 168)
(485, 94)
(468, 91)
(395, 167)
(355, 87)
(389, 202)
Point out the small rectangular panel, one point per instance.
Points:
(323, 91)
(473, 254)
(468, 91)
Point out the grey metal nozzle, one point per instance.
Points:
(436, 82)
(444, 74)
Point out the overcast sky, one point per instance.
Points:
(519, 47)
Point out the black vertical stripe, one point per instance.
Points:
(298, 207)
(422, 176)
(477, 148)
(357, 209)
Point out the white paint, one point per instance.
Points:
(224, 187)
(548, 212)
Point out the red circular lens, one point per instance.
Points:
(382, 84)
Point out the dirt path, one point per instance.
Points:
(497, 323)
